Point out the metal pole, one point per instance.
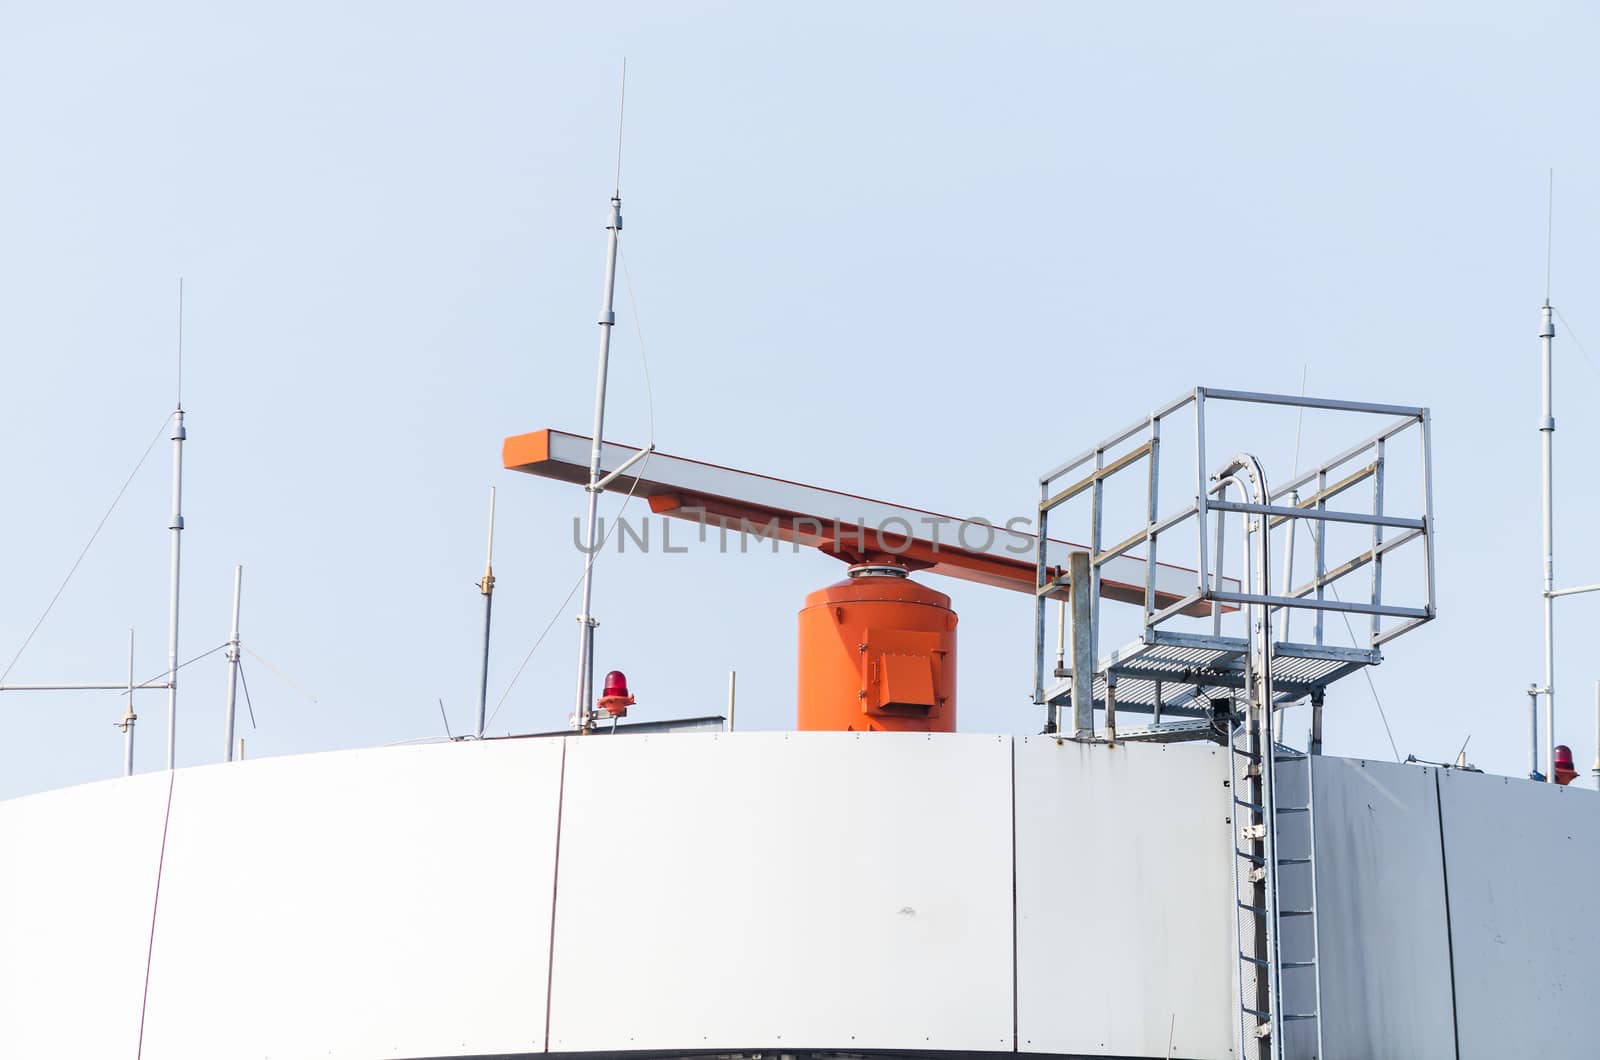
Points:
(233, 662)
(1533, 733)
(1547, 432)
(583, 717)
(129, 718)
(1061, 638)
(1315, 743)
(1222, 561)
(176, 526)
(1082, 646)
(733, 679)
(1111, 705)
(486, 587)
(1291, 526)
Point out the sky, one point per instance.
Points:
(918, 252)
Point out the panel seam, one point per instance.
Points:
(555, 879)
(1016, 1028)
(1449, 929)
(155, 906)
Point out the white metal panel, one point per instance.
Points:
(76, 894)
(1521, 860)
(1383, 934)
(358, 904)
(785, 890)
(1124, 900)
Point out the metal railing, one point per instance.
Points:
(1203, 521)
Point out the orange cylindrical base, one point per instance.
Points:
(877, 652)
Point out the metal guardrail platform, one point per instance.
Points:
(1172, 675)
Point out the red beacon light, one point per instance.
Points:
(1563, 768)
(614, 697)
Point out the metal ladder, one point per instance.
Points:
(1279, 982)
(1275, 927)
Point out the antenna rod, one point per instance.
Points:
(176, 526)
(1547, 432)
(486, 587)
(622, 110)
(583, 718)
(126, 724)
(232, 655)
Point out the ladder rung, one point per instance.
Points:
(1294, 861)
(1260, 963)
(1299, 1015)
(1258, 911)
(1293, 809)
(1289, 758)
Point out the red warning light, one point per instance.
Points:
(615, 699)
(1564, 771)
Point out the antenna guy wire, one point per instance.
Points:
(85, 550)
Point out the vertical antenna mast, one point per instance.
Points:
(486, 587)
(583, 717)
(1547, 436)
(126, 724)
(233, 661)
(176, 526)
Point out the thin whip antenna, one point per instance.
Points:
(1300, 419)
(1549, 231)
(1294, 498)
(622, 106)
(180, 342)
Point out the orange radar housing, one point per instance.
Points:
(877, 652)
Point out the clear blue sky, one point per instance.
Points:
(920, 252)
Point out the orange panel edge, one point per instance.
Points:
(520, 450)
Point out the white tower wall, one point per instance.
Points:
(772, 892)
